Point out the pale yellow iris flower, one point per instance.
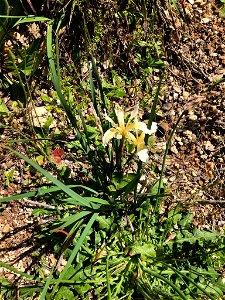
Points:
(124, 131)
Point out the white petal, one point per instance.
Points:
(140, 126)
(143, 127)
(109, 134)
(143, 155)
(120, 116)
(108, 118)
(153, 127)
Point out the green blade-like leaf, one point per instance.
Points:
(155, 101)
(29, 19)
(198, 285)
(39, 192)
(93, 94)
(157, 275)
(95, 69)
(72, 201)
(72, 219)
(58, 183)
(55, 76)
(71, 258)
(14, 270)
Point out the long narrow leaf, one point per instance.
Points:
(75, 250)
(155, 101)
(72, 201)
(108, 279)
(93, 94)
(85, 130)
(95, 69)
(58, 183)
(38, 192)
(167, 149)
(153, 110)
(157, 275)
(203, 290)
(28, 19)
(56, 82)
(55, 77)
(14, 270)
(48, 282)
(72, 219)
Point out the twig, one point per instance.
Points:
(210, 201)
(36, 203)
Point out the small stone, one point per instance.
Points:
(209, 146)
(172, 113)
(188, 133)
(175, 96)
(193, 117)
(6, 228)
(174, 149)
(214, 109)
(205, 20)
(167, 106)
(40, 115)
(173, 178)
(177, 89)
(177, 138)
(194, 173)
(185, 177)
(200, 182)
(183, 148)
(186, 94)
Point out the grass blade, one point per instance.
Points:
(75, 250)
(14, 270)
(58, 183)
(108, 279)
(95, 69)
(183, 276)
(72, 219)
(167, 149)
(39, 192)
(93, 94)
(155, 274)
(27, 19)
(155, 101)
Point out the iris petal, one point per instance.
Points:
(120, 117)
(109, 134)
(109, 119)
(131, 138)
(143, 127)
(143, 155)
(153, 128)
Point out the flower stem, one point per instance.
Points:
(119, 155)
